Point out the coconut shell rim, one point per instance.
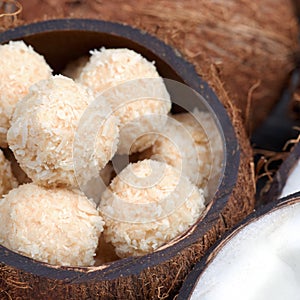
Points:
(186, 71)
(194, 276)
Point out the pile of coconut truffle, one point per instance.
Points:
(65, 133)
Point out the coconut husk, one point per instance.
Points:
(278, 175)
(9, 14)
(252, 44)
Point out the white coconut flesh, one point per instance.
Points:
(292, 184)
(260, 262)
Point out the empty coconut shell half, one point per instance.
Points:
(157, 275)
(259, 259)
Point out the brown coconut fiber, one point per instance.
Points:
(10, 11)
(252, 43)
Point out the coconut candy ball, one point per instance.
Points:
(184, 145)
(136, 92)
(146, 205)
(50, 143)
(56, 226)
(7, 179)
(74, 67)
(20, 67)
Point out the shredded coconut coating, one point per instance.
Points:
(147, 204)
(56, 226)
(7, 179)
(110, 67)
(183, 144)
(20, 67)
(43, 130)
(140, 103)
(74, 68)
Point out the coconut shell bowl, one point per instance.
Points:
(157, 275)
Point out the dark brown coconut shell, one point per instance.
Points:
(160, 274)
(273, 140)
(195, 275)
(251, 44)
(274, 187)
